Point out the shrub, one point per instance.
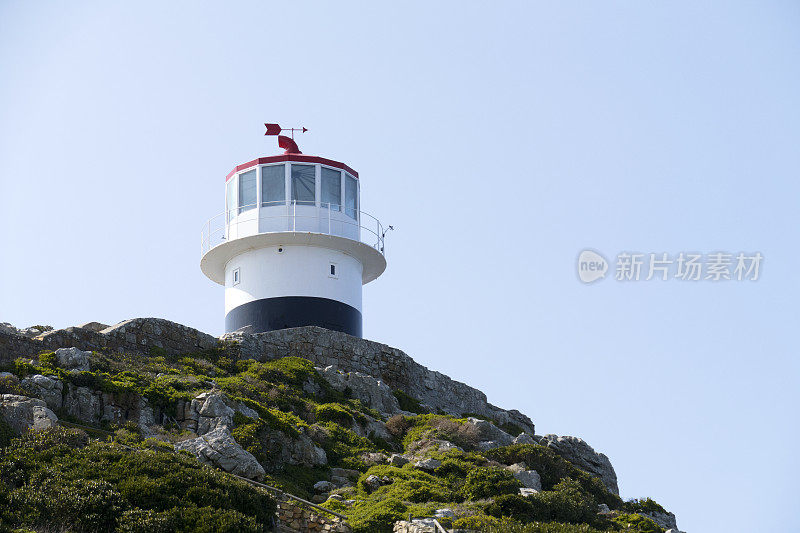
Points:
(640, 523)
(6, 433)
(289, 370)
(48, 359)
(476, 522)
(459, 433)
(9, 385)
(56, 478)
(407, 403)
(552, 468)
(372, 517)
(484, 482)
(398, 425)
(568, 502)
(85, 505)
(644, 505)
(508, 525)
(333, 412)
(511, 505)
(344, 448)
(408, 485)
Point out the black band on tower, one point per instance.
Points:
(294, 311)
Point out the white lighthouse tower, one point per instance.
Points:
(292, 247)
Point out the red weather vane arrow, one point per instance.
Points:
(285, 142)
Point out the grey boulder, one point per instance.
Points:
(524, 438)
(25, 414)
(529, 478)
(665, 520)
(219, 449)
(324, 486)
(371, 391)
(428, 465)
(47, 388)
(488, 432)
(397, 460)
(73, 359)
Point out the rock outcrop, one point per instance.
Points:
(138, 335)
(390, 365)
(372, 392)
(207, 412)
(529, 478)
(73, 359)
(665, 520)
(490, 435)
(218, 448)
(578, 452)
(46, 388)
(25, 414)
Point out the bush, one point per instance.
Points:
(48, 359)
(644, 505)
(398, 425)
(372, 517)
(407, 403)
(508, 525)
(9, 385)
(485, 482)
(459, 433)
(289, 370)
(85, 505)
(6, 433)
(552, 468)
(54, 477)
(640, 523)
(513, 506)
(344, 448)
(476, 522)
(566, 503)
(334, 412)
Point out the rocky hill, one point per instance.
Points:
(149, 425)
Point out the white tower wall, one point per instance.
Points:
(293, 271)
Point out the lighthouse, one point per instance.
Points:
(292, 247)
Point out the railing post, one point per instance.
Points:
(294, 215)
(329, 218)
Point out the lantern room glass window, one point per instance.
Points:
(331, 189)
(351, 196)
(303, 184)
(247, 191)
(273, 185)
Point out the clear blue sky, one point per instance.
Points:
(500, 140)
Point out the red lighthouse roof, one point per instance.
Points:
(297, 158)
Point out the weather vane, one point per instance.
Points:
(285, 142)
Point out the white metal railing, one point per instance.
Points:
(327, 219)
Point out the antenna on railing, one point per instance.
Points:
(383, 235)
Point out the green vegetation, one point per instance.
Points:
(552, 469)
(407, 403)
(490, 481)
(58, 478)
